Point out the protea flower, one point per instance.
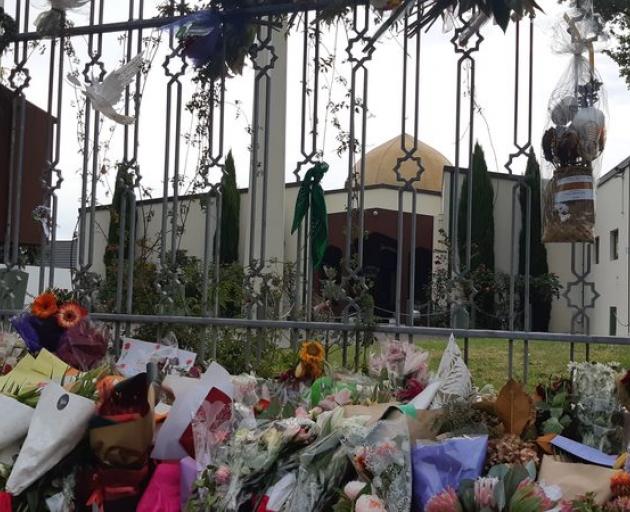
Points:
(484, 492)
(446, 501)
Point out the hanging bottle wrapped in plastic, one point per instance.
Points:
(576, 132)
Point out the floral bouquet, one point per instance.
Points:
(11, 350)
(248, 463)
(596, 405)
(381, 455)
(506, 488)
(57, 322)
(404, 365)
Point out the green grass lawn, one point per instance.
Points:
(488, 359)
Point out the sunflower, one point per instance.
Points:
(44, 306)
(312, 353)
(311, 357)
(70, 314)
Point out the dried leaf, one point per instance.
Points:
(514, 407)
(545, 443)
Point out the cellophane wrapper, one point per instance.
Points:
(381, 454)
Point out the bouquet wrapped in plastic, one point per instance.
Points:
(576, 133)
(381, 455)
(597, 407)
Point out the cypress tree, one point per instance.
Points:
(482, 225)
(538, 266)
(110, 257)
(230, 213)
(482, 237)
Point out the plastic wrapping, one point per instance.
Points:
(597, 407)
(443, 464)
(576, 131)
(381, 455)
(84, 346)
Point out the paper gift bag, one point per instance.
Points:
(15, 417)
(125, 443)
(58, 424)
(185, 407)
(162, 494)
(577, 479)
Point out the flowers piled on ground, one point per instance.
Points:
(57, 322)
(510, 488)
(404, 366)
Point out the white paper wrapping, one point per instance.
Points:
(167, 446)
(15, 417)
(57, 426)
(454, 376)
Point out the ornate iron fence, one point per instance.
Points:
(278, 298)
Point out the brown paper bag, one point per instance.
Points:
(576, 480)
(423, 426)
(125, 444)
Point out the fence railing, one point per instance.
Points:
(132, 267)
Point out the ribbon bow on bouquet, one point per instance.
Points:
(311, 196)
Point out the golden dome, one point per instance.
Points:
(381, 162)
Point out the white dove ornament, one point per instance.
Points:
(106, 94)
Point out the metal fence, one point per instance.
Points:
(289, 306)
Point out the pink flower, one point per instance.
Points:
(385, 448)
(446, 501)
(341, 398)
(223, 475)
(484, 492)
(395, 352)
(369, 503)
(353, 489)
(300, 412)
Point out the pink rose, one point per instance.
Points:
(369, 503)
(353, 489)
(223, 475)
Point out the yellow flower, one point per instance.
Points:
(312, 353)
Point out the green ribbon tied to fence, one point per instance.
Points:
(311, 197)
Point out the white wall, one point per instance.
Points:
(611, 276)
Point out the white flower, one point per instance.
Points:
(353, 489)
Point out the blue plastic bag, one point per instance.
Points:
(441, 464)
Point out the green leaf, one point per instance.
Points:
(499, 471)
(556, 412)
(499, 495)
(512, 479)
(560, 399)
(553, 426)
(531, 469)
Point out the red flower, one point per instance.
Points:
(70, 314)
(412, 389)
(44, 306)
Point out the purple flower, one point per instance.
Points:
(37, 333)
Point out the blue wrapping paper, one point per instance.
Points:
(442, 464)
